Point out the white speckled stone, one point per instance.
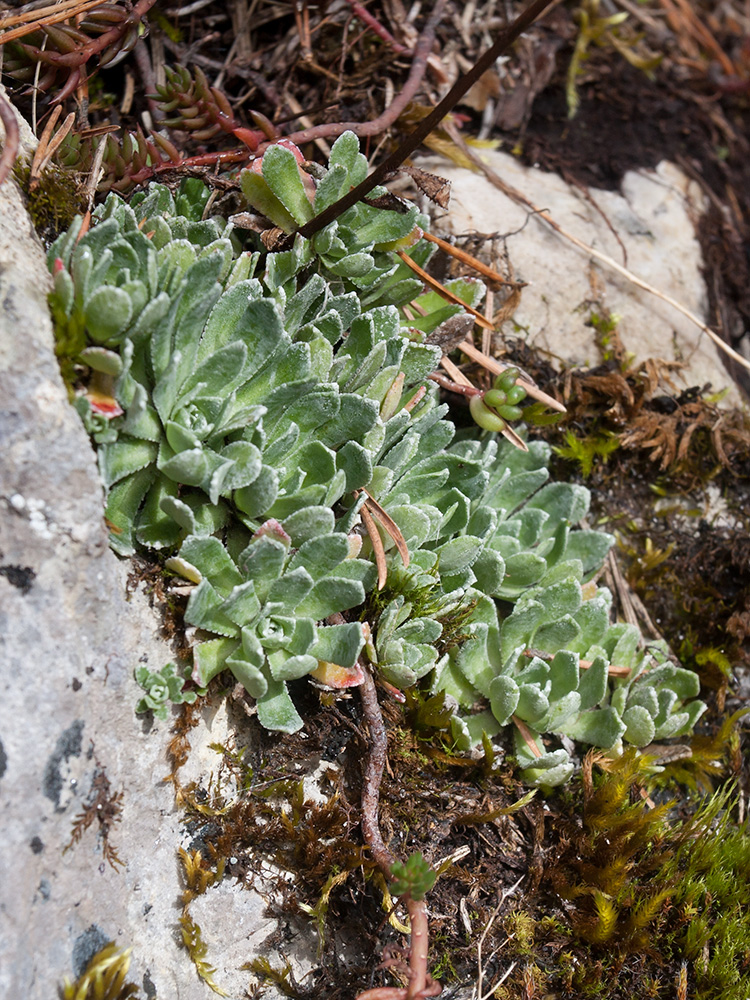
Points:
(654, 215)
(69, 643)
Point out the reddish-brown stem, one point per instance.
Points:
(420, 984)
(451, 386)
(374, 774)
(396, 107)
(431, 121)
(380, 30)
(97, 45)
(10, 147)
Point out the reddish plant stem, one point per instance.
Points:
(451, 386)
(10, 147)
(420, 983)
(524, 20)
(374, 773)
(95, 46)
(380, 30)
(333, 130)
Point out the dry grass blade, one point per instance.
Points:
(520, 198)
(497, 368)
(466, 258)
(10, 147)
(435, 285)
(377, 545)
(528, 738)
(455, 372)
(49, 144)
(31, 20)
(510, 435)
(390, 526)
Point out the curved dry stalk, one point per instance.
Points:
(12, 137)
(421, 985)
(541, 213)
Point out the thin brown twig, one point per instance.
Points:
(379, 29)
(374, 773)
(421, 985)
(430, 121)
(12, 137)
(542, 214)
(53, 14)
(74, 60)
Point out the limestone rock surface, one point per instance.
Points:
(70, 639)
(654, 215)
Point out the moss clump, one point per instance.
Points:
(53, 200)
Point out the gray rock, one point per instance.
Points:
(70, 640)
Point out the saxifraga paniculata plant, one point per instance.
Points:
(247, 404)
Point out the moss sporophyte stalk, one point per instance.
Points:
(266, 420)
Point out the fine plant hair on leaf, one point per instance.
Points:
(260, 416)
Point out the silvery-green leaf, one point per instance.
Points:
(310, 522)
(639, 725)
(522, 571)
(276, 709)
(560, 713)
(621, 644)
(548, 777)
(102, 360)
(209, 659)
(533, 703)
(345, 151)
(556, 635)
(339, 644)
(258, 498)
(600, 727)
(593, 683)
(124, 457)
(513, 490)
(281, 172)
(330, 188)
(263, 562)
(242, 606)
(548, 759)
(504, 696)
(560, 599)
(213, 561)
(419, 630)
(319, 556)
(284, 667)
(519, 626)
(204, 611)
(645, 695)
(674, 725)
(259, 195)
(593, 619)
(563, 502)
(291, 589)
(563, 674)
(458, 554)
(154, 527)
(107, 314)
(330, 595)
(591, 547)
(354, 265)
(468, 730)
(123, 502)
(248, 674)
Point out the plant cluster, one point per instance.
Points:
(266, 419)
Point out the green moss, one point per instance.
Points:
(53, 201)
